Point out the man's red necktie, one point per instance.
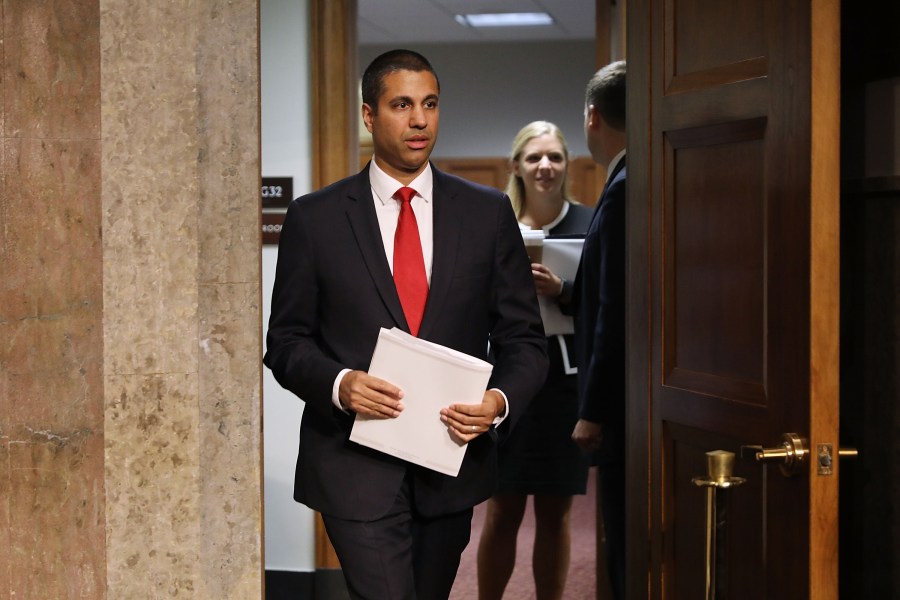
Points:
(409, 264)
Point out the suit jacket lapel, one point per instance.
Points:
(360, 210)
(579, 273)
(609, 180)
(447, 232)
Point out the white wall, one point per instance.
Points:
(284, 74)
(284, 82)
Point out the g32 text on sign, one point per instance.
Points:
(277, 192)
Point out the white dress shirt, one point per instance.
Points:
(387, 209)
(614, 163)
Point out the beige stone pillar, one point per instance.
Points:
(130, 403)
(181, 273)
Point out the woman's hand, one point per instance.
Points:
(545, 281)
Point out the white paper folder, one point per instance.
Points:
(560, 256)
(432, 377)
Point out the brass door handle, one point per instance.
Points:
(790, 456)
(794, 452)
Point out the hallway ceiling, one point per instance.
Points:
(384, 22)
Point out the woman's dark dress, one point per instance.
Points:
(539, 457)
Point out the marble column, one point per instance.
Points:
(130, 300)
(52, 506)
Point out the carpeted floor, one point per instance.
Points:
(581, 583)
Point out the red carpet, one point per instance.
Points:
(581, 583)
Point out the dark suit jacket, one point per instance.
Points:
(334, 291)
(599, 311)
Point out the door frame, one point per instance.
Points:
(335, 112)
(335, 135)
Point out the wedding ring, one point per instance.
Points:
(473, 428)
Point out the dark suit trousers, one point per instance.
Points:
(403, 555)
(612, 505)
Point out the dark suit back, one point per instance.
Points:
(599, 311)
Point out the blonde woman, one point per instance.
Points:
(539, 459)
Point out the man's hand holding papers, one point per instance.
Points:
(370, 396)
(379, 399)
(441, 412)
(467, 421)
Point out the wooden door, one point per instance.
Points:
(733, 289)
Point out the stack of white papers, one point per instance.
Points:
(432, 377)
(560, 256)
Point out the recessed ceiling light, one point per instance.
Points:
(505, 19)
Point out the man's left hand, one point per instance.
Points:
(467, 421)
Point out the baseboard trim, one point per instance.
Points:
(324, 584)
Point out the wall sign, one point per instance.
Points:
(271, 227)
(277, 192)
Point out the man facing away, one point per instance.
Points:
(598, 303)
(346, 268)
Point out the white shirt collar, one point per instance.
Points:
(546, 228)
(559, 217)
(384, 186)
(613, 163)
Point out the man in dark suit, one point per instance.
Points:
(399, 529)
(599, 309)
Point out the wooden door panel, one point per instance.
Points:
(720, 309)
(724, 207)
(492, 172)
(714, 230)
(709, 43)
(703, 35)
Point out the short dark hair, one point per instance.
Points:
(606, 92)
(387, 63)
